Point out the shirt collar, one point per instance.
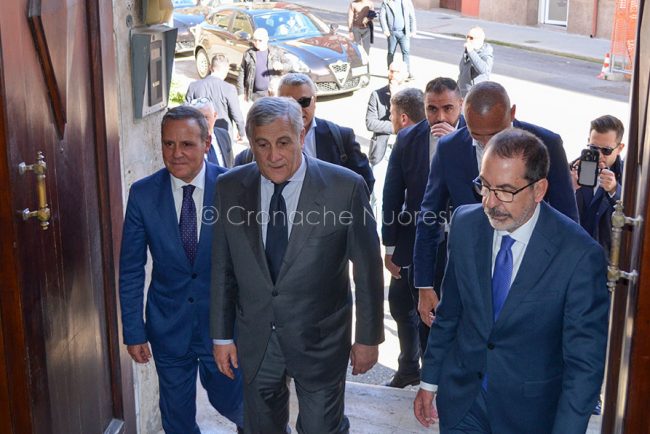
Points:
(198, 181)
(312, 125)
(298, 176)
(525, 231)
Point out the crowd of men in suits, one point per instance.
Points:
(498, 293)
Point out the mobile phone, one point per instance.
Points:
(588, 168)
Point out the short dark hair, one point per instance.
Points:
(486, 95)
(515, 142)
(443, 84)
(409, 101)
(183, 112)
(607, 123)
(219, 61)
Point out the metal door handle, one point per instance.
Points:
(619, 220)
(43, 211)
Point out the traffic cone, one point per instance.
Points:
(605, 69)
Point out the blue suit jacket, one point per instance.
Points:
(179, 292)
(450, 184)
(545, 355)
(406, 179)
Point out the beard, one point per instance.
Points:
(500, 219)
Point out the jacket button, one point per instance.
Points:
(194, 275)
(191, 299)
(490, 346)
(274, 293)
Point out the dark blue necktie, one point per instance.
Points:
(502, 275)
(277, 232)
(187, 223)
(500, 282)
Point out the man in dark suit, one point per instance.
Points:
(406, 178)
(220, 152)
(162, 216)
(519, 337)
(454, 166)
(325, 140)
(290, 225)
(222, 95)
(596, 205)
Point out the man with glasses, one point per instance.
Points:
(519, 337)
(476, 63)
(456, 163)
(325, 140)
(222, 95)
(595, 205)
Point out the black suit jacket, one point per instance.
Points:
(225, 146)
(327, 150)
(452, 170)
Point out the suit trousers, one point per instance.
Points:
(411, 331)
(266, 400)
(177, 381)
(476, 421)
(404, 41)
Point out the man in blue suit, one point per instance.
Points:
(406, 178)
(519, 337)
(162, 216)
(454, 166)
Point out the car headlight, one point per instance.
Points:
(297, 65)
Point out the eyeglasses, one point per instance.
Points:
(606, 151)
(197, 101)
(470, 37)
(503, 195)
(305, 101)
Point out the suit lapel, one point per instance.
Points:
(311, 200)
(322, 141)
(249, 200)
(168, 218)
(205, 239)
(483, 249)
(539, 254)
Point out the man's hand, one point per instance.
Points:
(140, 352)
(351, 35)
(239, 138)
(391, 267)
(574, 176)
(424, 408)
(387, 34)
(363, 357)
(607, 180)
(441, 129)
(427, 304)
(226, 358)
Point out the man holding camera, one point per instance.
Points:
(596, 203)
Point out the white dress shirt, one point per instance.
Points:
(310, 140)
(197, 196)
(521, 235)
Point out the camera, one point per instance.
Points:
(588, 168)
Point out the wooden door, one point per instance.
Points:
(60, 368)
(627, 407)
(451, 4)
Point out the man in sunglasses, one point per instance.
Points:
(519, 337)
(325, 140)
(456, 163)
(476, 63)
(595, 205)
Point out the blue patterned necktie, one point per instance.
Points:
(502, 275)
(187, 223)
(277, 232)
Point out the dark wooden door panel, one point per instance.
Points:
(48, 98)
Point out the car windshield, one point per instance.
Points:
(287, 24)
(184, 3)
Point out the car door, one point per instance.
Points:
(242, 33)
(215, 36)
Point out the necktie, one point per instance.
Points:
(277, 231)
(502, 275)
(187, 223)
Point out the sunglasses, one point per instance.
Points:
(197, 101)
(305, 101)
(606, 151)
(470, 37)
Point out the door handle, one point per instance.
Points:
(619, 220)
(43, 212)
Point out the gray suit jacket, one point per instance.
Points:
(310, 305)
(224, 99)
(378, 122)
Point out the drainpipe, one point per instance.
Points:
(594, 21)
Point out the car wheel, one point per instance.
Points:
(202, 63)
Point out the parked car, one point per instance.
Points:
(187, 14)
(334, 62)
